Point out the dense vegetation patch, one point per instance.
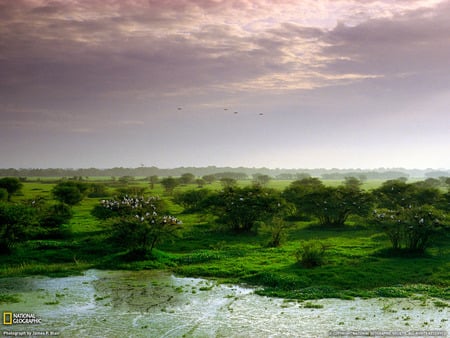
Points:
(303, 239)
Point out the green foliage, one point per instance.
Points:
(11, 184)
(187, 178)
(241, 208)
(70, 192)
(228, 182)
(15, 223)
(409, 228)
(53, 221)
(261, 179)
(397, 193)
(330, 205)
(3, 194)
(192, 200)
(311, 254)
(138, 223)
(97, 190)
(277, 230)
(169, 184)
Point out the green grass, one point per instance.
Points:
(359, 263)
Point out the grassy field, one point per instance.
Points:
(359, 262)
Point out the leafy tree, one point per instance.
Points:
(200, 182)
(240, 209)
(395, 194)
(3, 194)
(330, 205)
(277, 229)
(97, 190)
(138, 224)
(352, 183)
(209, 178)
(70, 192)
(53, 221)
(11, 185)
(15, 223)
(169, 184)
(153, 180)
(192, 200)
(228, 182)
(410, 228)
(187, 178)
(261, 179)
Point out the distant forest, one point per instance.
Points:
(239, 172)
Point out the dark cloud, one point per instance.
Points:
(416, 42)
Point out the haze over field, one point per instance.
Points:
(294, 84)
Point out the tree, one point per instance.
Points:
(394, 194)
(330, 205)
(240, 209)
(3, 194)
(169, 184)
(15, 223)
(409, 228)
(209, 178)
(228, 182)
(261, 179)
(187, 178)
(11, 185)
(153, 180)
(138, 224)
(192, 200)
(70, 192)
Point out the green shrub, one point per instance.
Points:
(311, 254)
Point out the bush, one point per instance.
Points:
(192, 200)
(3, 194)
(277, 229)
(54, 220)
(311, 254)
(409, 228)
(15, 224)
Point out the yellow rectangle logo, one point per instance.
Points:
(7, 318)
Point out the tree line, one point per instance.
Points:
(282, 174)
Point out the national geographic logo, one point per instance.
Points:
(7, 318)
(10, 318)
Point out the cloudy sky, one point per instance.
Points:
(275, 83)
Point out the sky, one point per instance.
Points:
(256, 83)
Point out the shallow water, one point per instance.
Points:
(158, 304)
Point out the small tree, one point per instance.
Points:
(138, 224)
(15, 223)
(277, 229)
(169, 184)
(3, 194)
(11, 185)
(261, 179)
(409, 228)
(70, 192)
(192, 200)
(153, 180)
(209, 178)
(241, 208)
(187, 178)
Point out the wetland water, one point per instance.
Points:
(158, 304)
